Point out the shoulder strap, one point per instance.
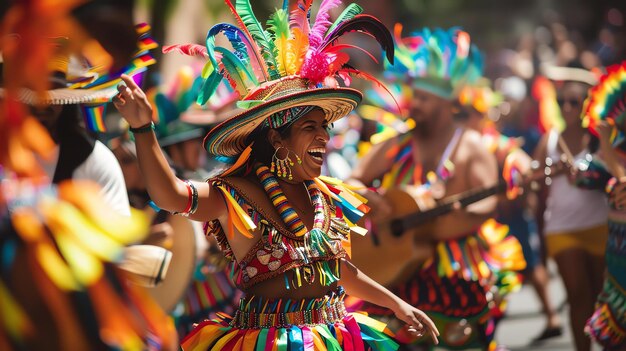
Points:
(553, 140)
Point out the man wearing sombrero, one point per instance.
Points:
(286, 228)
(443, 159)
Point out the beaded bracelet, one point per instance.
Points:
(143, 129)
(192, 203)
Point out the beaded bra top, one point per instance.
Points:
(302, 256)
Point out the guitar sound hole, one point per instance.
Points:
(396, 228)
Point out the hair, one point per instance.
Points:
(262, 149)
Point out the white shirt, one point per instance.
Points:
(101, 167)
(569, 208)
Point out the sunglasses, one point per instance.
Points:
(572, 102)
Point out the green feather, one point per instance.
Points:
(238, 74)
(347, 14)
(278, 26)
(435, 60)
(209, 86)
(260, 36)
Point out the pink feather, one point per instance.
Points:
(322, 22)
(300, 16)
(315, 67)
(187, 49)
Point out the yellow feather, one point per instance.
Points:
(297, 47)
(281, 58)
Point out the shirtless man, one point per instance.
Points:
(448, 160)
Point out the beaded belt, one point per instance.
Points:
(283, 313)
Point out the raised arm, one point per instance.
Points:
(360, 285)
(608, 153)
(165, 189)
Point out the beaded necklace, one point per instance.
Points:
(284, 208)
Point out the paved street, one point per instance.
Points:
(524, 319)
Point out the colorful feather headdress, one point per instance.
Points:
(438, 61)
(292, 63)
(607, 101)
(91, 86)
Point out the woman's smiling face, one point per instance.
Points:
(307, 138)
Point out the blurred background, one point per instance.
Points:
(515, 36)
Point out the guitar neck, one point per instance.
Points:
(399, 225)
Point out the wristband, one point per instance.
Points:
(143, 129)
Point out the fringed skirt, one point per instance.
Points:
(205, 297)
(608, 324)
(287, 325)
(461, 287)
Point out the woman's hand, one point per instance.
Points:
(418, 323)
(133, 103)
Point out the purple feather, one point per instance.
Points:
(322, 22)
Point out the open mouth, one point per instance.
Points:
(317, 154)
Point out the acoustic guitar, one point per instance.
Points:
(395, 248)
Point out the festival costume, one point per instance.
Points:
(455, 287)
(281, 74)
(607, 326)
(301, 257)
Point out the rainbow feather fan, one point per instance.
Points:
(290, 45)
(607, 101)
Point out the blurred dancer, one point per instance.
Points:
(575, 218)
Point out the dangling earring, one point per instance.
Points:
(282, 167)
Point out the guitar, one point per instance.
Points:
(395, 248)
(398, 241)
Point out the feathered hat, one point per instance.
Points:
(438, 61)
(291, 65)
(607, 101)
(179, 117)
(75, 80)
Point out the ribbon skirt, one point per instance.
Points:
(318, 324)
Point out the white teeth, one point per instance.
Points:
(320, 150)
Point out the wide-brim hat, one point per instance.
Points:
(231, 137)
